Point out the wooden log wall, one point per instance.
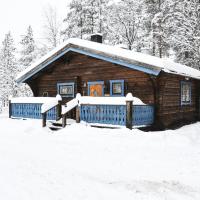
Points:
(82, 69)
(170, 110)
(164, 89)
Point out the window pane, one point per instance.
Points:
(117, 88)
(185, 93)
(66, 89)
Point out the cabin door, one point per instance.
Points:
(95, 89)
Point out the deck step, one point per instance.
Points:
(56, 124)
(54, 128)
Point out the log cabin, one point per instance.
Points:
(92, 68)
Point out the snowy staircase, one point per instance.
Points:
(57, 125)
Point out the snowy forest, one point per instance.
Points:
(162, 28)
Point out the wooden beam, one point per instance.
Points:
(129, 114)
(44, 119)
(78, 119)
(64, 120)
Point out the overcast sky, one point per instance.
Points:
(17, 15)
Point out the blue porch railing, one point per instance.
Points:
(116, 114)
(104, 114)
(31, 110)
(143, 115)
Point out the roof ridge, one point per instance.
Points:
(158, 64)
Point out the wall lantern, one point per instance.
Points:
(187, 78)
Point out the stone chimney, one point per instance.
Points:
(97, 37)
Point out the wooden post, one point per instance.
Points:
(59, 106)
(59, 110)
(10, 109)
(78, 114)
(156, 102)
(44, 119)
(64, 120)
(129, 111)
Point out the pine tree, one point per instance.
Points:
(74, 22)
(28, 48)
(158, 11)
(184, 35)
(86, 17)
(9, 70)
(152, 9)
(27, 57)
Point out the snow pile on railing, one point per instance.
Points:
(69, 106)
(32, 99)
(109, 100)
(79, 100)
(50, 104)
(47, 102)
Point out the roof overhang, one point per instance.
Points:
(99, 55)
(133, 60)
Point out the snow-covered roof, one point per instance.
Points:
(139, 61)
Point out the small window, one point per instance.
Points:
(185, 93)
(117, 87)
(96, 88)
(65, 89)
(45, 94)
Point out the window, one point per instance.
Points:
(66, 89)
(45, 94)
(96, 88)
(117, 87)
(185, 93)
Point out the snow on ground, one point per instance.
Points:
(81, 162)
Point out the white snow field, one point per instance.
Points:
(81, 162)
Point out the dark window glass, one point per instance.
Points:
(185, 93)
(117, 88)
(66, 89)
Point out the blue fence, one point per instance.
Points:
(31, 110)
(116, 114)
(104, 114)
(143, 115)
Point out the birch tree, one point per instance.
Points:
(52, 26)
(127, 23)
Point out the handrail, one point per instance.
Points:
(49, 108)
(44, 113)
(50, 105)
(69, 106)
